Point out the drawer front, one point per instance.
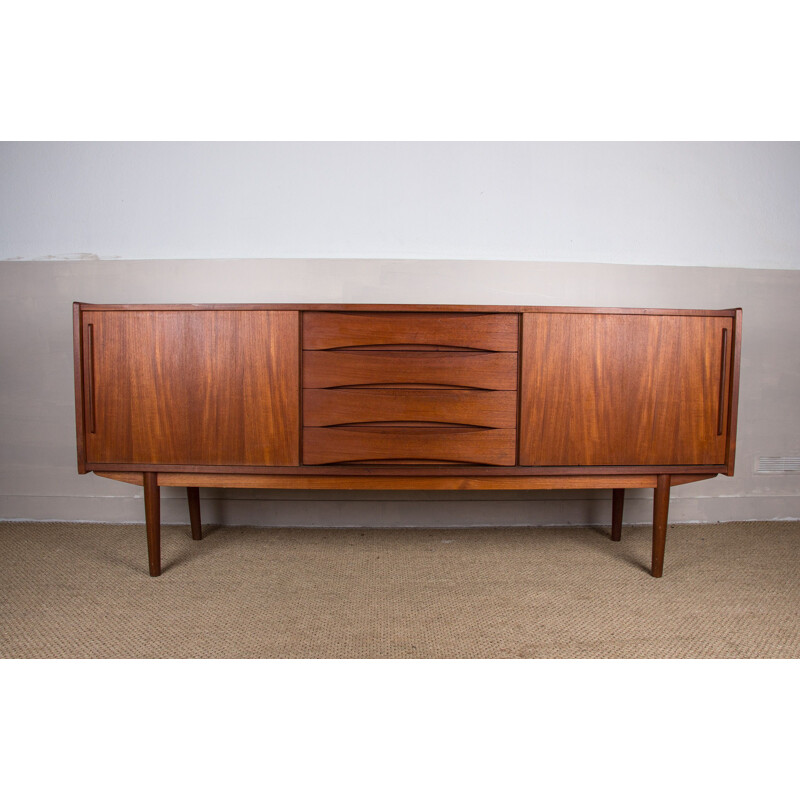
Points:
(325, 330)
(324, 369)
(409, 388)
(409, 444)
(454, 406)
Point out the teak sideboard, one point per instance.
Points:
(405, 397)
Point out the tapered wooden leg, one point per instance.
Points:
(617, 503)
(193, 493)
(660, 513)
(152, 515)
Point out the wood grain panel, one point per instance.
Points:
(325, 330)
(324, 369)
(460, 406)
(411, 307)
(733, 399)
(77, 358)
(335, 445)
(403, 469)
(189, 387)
(602, 389)
(378, 482)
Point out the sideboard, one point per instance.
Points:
(430, 397)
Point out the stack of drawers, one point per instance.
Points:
(409, 388)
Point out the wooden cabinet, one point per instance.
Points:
(405, 397)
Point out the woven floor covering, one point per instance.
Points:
(76, 590)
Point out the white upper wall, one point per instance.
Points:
(688, 204)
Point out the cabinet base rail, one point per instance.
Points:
(153, 481)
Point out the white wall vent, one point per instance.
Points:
(767, 464)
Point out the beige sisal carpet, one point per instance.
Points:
(70, 590)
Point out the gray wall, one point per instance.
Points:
(710, 211)
(39, 479)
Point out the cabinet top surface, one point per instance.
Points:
(420, 307)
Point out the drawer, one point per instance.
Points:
(323, 369)
(325, 330)
(456, 406)
(337, 445)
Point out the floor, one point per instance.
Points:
(70, 590)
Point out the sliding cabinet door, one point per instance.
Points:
(198, 387)
(624, 389)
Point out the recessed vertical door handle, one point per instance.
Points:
(723, 370)
(89, 366)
